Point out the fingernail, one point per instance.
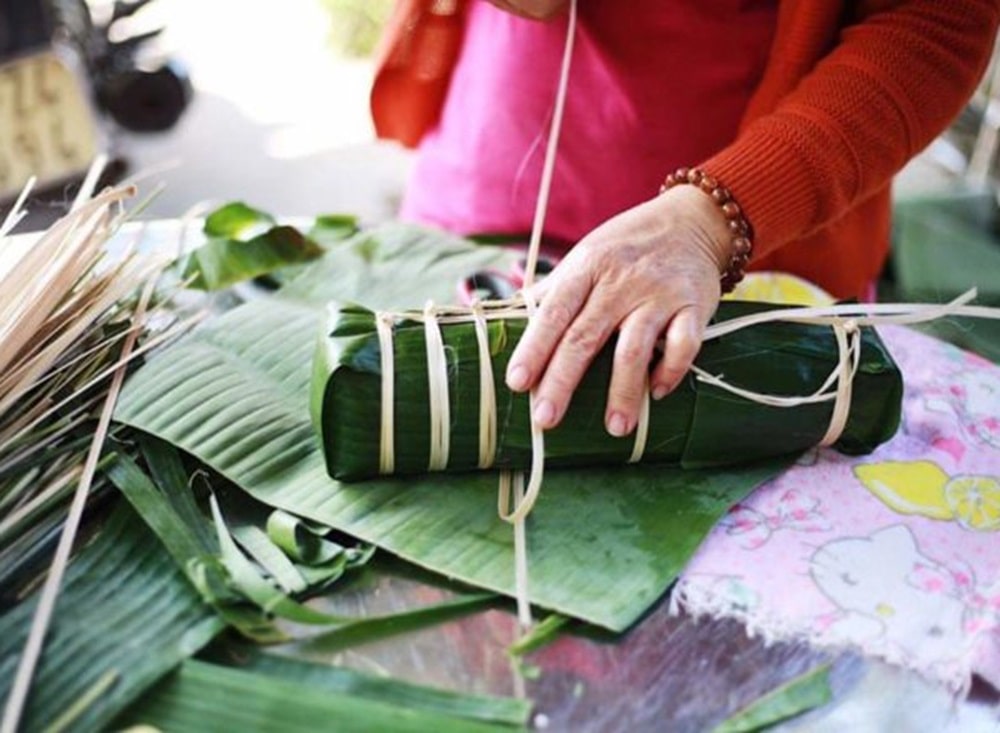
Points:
(545, 414)
(618, 425)
(517, 378)
(660, 391)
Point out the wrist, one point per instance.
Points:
(726, 228)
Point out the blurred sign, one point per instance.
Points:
(47, 128)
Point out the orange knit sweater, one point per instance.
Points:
(852, 91)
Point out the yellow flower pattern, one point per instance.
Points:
(923, 488)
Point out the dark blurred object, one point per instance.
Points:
(62, 64)
(139, 96)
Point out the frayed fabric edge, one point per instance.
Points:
(699, 602)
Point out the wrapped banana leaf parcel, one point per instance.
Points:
(407, 393)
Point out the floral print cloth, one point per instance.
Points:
(895, 554)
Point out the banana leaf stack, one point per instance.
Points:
(698, 425)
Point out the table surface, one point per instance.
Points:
(669, 672)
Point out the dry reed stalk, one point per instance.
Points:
(66, 304)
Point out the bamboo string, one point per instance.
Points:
(433, 318)
(641, 428)
(53, 582)
(17, 212)
(437, 390)
(526, 500)
(387, 448)
(849, 348)
(90, 181)
(487, 391)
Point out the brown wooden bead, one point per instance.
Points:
(721, 195)
(742, 244)
(738, 227)
(731, 209)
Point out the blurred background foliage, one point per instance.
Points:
(356, 25)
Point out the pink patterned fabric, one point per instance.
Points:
(894, 554)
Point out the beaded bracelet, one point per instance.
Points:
(737, 223)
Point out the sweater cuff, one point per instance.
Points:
(778, 188)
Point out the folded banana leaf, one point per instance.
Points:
(697, 425)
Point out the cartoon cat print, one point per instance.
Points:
(888, 592)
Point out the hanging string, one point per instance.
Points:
(526, 500)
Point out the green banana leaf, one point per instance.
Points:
(604, 543)
(211, 697)
(249, 597)
(697, 425)
(506, 710)
(126, 616)
(244, 243)
(805, 692)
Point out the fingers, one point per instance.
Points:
(570, 327)
(643, 272)
(576, 350)
(681, 345)
(544, 331)
(633, 353)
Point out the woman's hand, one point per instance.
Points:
(534, 9)
(651, 270)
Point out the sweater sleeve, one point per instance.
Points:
(895, 78)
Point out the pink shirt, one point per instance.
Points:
(655, 84)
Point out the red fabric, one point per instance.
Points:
(414, 61)
(851, 92)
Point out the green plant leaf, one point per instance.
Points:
(236, 220)
(604, 543)
(510, 711)
(269, 556)
(330, 229)
(255, 587)
(195, 556)
(798, 695)
(125, 617)
(209, 697)
(244, 243)
(537, 637)
(226, 578)
(301, 540)
(375, 628)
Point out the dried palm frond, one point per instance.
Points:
(66, 304)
